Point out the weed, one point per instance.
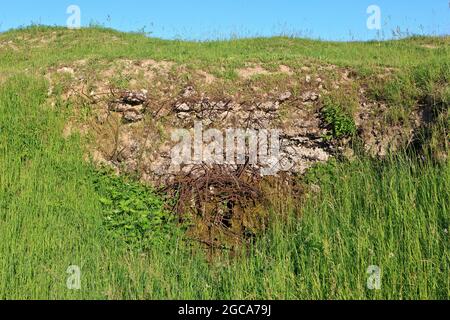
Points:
(133, 212)
(340, 123)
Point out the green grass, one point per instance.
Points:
(54, 45)
(427, 83)
(394, 215)
(56, 212)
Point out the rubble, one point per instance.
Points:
(131, 104)
(310, 96)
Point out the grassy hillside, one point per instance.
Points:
(41, 47)
(57, 210)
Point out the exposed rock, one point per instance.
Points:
(285, 96)
(301, 141)
(182, 107)
(254, 107)
(309, 96)
(121, 107)
(131, 116)
(183, 115)
(270, 106)
(130, 104)
(188, 92)
(133, 97)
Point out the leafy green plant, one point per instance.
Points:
(133, 211)
(340, 123)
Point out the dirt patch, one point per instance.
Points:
(286, 70)
(249, 72)
(256, 70)
(207, 77)
(429, 46)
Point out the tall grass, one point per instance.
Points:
(393, 214)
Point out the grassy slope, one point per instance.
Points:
(393, 215)
(55, 45)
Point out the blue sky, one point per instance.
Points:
(212, 19)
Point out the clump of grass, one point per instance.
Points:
(424, 84)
